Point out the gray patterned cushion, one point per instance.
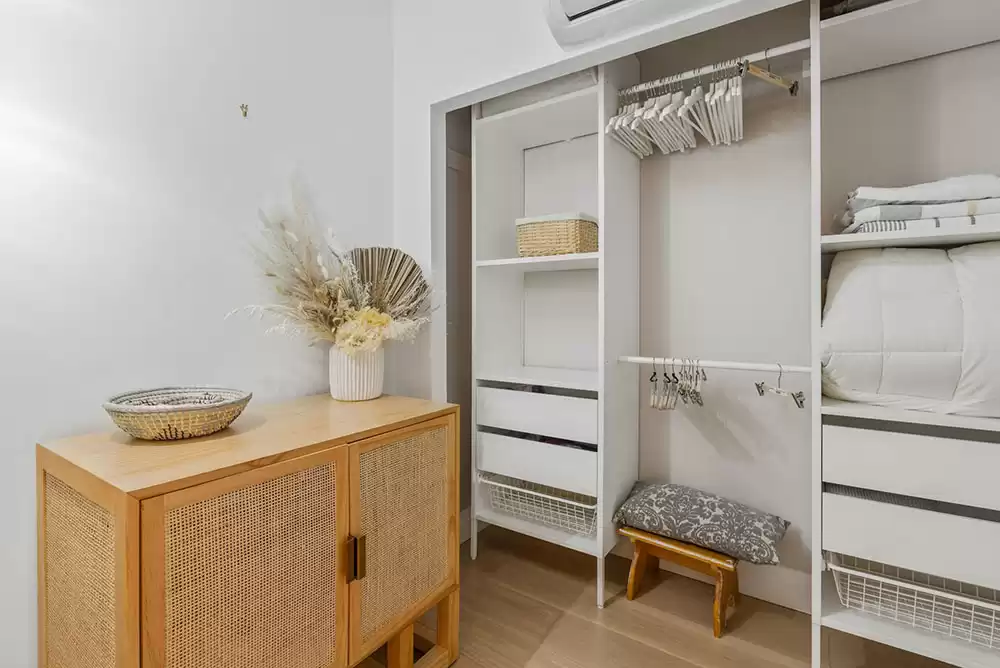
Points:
(687, 514)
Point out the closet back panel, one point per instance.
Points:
(498, 328)
(910, 123)
(560, 319)
(499, 201)
(561, 177)
(725, 266)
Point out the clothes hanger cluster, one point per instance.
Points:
(798, 397)
(684, 385)
(671, 120)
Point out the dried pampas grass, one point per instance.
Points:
(368, 295)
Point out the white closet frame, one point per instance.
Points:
(609, 473)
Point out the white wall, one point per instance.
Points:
(129, 184)
(904, 124)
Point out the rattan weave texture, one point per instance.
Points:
(251, 575)
(174, 413)
(404, 515)
(79, 579)
(556, 237)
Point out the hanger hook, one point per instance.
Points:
(780, 372)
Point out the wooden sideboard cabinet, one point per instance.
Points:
(307, 535)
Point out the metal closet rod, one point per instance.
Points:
(709, 69)
(715, 364)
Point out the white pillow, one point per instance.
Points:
(915, 328)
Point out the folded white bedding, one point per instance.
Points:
(975, 207)
(915, 328)
(958, 223)
(955, 189)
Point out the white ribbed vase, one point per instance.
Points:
(356, 377)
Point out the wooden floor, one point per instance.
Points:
(526, 603)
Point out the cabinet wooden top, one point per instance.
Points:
(263, 435)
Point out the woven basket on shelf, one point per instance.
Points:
(173, 413)
(556, 235)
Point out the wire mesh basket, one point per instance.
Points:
(556, 508)
(956, 609)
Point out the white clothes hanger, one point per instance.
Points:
(696, 113)
(669, 120)
(613, 129)
(652, 126)
(798, 397)
(637, 139)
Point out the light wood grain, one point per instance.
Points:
(40, 520)
(264, 435)
(399, 653)
(127, 571)
(448, 624)
(125, 512)
(526, 604)
(698, 554)
(650, 548)
(154, 605)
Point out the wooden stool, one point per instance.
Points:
(719, 566)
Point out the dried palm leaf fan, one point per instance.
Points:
(394, 280)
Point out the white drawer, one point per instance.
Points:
(552, 415)
(960, 548)
(554, 465)
(929, 467)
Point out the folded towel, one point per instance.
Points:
(973, 207)
(955, 223)
(956, 189)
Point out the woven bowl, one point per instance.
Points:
(173, 413)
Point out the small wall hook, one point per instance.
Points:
(244, 108)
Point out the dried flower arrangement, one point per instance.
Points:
(355, 300)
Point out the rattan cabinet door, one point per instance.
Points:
(404, 508)
(249, 571)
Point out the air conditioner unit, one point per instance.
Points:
(574, 22)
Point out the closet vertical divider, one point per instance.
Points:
(618, 311)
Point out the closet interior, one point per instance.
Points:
(675, 332)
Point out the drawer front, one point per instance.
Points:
(552, 415)
(960, 548)
(554, 465)
(943, 469)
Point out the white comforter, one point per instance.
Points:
(915, 328)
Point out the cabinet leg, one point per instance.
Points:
(447, 625)
(400, 649)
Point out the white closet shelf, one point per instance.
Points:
(868, 412)
(556, 119)
(833, 243)
(933, 645)
(585, 544)
(902, 30)
(547, 263)
(568, 379)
